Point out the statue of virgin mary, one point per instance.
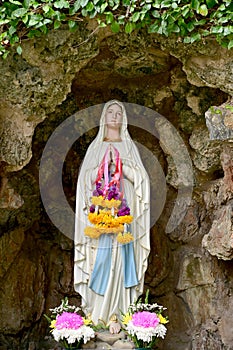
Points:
(108, 273)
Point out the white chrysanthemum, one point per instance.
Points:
(146, 334)
(145, 307)
(73, 335)
(161, 330)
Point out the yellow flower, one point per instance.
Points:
(162, 319)
(126, 318)
(53, 324)
(125, 237)
(92, 232)
(127, 219)
(87, 321)
(100, 201)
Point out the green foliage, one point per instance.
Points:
(190, 20)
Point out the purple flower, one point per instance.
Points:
(92, 208)
(98, 192)
(113, 193)
(123, 211)
(69, 320)
(145, 319)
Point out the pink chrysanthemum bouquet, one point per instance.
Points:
(68, 327)
(144, 323)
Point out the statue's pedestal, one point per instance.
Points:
(105, 340)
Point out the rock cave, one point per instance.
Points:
(190, 269)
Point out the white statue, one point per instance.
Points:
(107, 274)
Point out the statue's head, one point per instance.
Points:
(114, 120)
(114, 116)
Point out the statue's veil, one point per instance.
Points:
(141, 193)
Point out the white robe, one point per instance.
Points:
(136, 190)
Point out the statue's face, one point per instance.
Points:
(113, 116)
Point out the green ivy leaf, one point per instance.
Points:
(34, 20)
(121, 19)
(34, 32)
(165, 3)
(155, 14)
(83, 3)
(6, 53)
(26, 4)
(211, 3)
(203, 10)
(129, 27)
(15, 2)
(90, 6)
(153, 28)
(200, 23)
(185, 10)
(228, 30)
(195, 4)
(71, 24)
(174, 5)
(84, 12)
(190, 26)
(109, 17)
(216, 29)
(12, 30)
(61, 4)
(25, 19)
(103, 7)
(56, 24)
(46, 8)
(229, 107)
(195, 37)
(75, 7)
(19, 12)
(115, 27)
(102, 25)
(135, 17)
(174, 28)
(14, 39)
(187, 40)
(4, 21)
(230, 44)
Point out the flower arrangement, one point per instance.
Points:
(144, 323)
(109, 212)
(69, 327)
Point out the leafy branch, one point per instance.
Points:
(189, 20)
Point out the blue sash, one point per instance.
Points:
(102, 267)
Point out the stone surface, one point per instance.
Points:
(224, 329)
(189, 226)
(35, 84)
(219, 121)
(123, 344)
(8, 197)
(108, 337)
(205, 63)
(207, 153)
(219, 240)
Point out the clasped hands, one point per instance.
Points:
(111, 155)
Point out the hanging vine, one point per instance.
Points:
(189, 20)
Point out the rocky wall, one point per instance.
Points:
(190, 268)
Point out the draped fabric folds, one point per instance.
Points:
(103, 276)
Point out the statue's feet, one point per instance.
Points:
(114, 327)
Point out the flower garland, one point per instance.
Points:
(109, 212)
